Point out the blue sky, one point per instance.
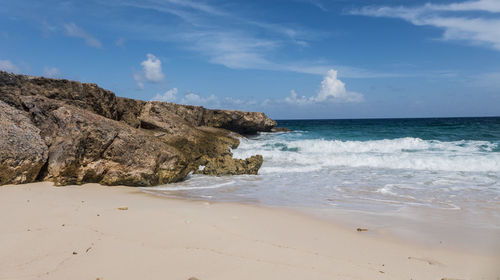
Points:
(289, 59)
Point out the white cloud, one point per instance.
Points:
(7, 65)
(473, 28)
(73, 30)
(318, 4)
(151, 71)
(51, 72)
(332, 90)
(138, 77)
(211, 101)
(168, 96)
(492, 6)
(233, 40)
(294, 99)
(194, 99)
(231, 49)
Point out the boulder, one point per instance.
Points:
(85, 147)
(280, 129)
(231, 166)
(23, 153)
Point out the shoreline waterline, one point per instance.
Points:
(440, 174)
(430, 228)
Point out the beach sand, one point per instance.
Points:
(79, 232)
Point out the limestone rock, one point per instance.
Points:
(105, 103)
(231, 166)
(280, 129)
(86, 147)
(22, 151)
(237, 121)
(241, 122)
(74, 133)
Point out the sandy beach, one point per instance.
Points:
(79, 232)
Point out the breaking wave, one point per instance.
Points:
(282, 155)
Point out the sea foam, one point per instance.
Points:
(283, 155)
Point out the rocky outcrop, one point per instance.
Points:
(237, 121)
(22, 150)
(241, 122)
(104, 102)
(73, 133)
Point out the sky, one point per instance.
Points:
(296, 59)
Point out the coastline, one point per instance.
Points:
(77, 232)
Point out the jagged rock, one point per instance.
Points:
(105, 103)
(94, 136)
(280, 129)
(22, 150)
(237, 121)
(231, 166)
(241, 122)
(86, 147)
(82, 95)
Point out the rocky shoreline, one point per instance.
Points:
(69, 132)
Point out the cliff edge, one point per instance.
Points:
(69, 132)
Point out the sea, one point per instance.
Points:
(437, 169)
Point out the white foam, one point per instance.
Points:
(184, 188)
(375, 176)
(404, 153)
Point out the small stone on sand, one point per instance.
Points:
(362, 229)
(122, 208)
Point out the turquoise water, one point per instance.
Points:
(441, 129)
(377, 166)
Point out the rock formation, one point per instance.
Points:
(73, 133)
(22, 150)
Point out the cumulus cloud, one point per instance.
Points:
(51, 72)
(332, 90)
(460, 21)
(151, 71)
(73, 30)
(168, 96)
(211, 101)
(294, 98)
(195, 99)
(7, 65)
